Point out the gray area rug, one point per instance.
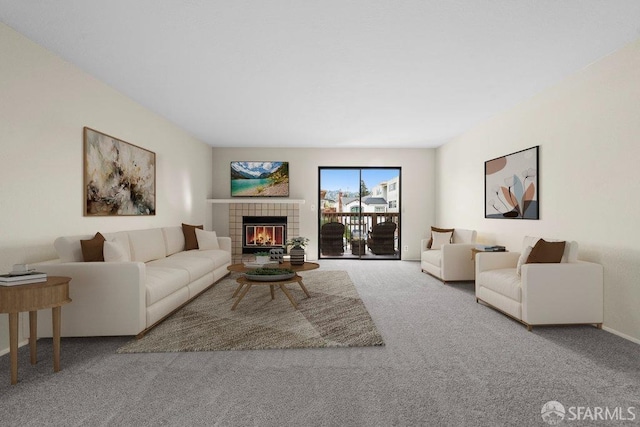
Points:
(334, 316)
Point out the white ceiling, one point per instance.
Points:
(327, 73)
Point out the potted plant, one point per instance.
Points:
(297, 251)
(262, 257)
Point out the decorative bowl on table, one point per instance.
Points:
(256, 264)
(269, 274)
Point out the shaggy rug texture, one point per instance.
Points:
(334, 316)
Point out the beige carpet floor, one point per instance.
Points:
(334, 316)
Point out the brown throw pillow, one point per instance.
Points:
(439, 230)
(190, 240)
(92, 248)
(545, 252)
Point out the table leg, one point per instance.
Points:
(33, 336)
(237, 290)
(273, 294)
(13, 346)
(244, 292)
(303, 288)
(286, 292)
(55, 316)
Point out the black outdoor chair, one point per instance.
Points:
(331, 238)
(382, 237)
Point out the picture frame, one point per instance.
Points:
(259, 179)
(119, 177)
(511, 189)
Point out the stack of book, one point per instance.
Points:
(495, 248)
(22, 278)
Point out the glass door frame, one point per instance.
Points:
(363, 222)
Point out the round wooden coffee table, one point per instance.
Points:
(246, 283)
(241, 268)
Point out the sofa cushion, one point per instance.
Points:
(546, 252)
(434, 256)
(196, 267)
(461, 235)
(523, 259)
(190, 240)
(570, 249)
(68, 248)
(92, 248)
(173, 239)
(114, 252)
(440, 239)
(147, 245)
(570, 252)
(163, 281)
(219, 257)
(439, 230)
(207, 239)
(121, 237)
(504, 281)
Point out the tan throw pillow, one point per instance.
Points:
(440, 239)
(439, 230)
(190, 240)
(523, 258)
(546, 252)
(92, 248)
(207, 240)
(114, 252)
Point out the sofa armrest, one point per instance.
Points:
(225, 243)
(456, 261)
(458, 250)
(108, 299)
(562, 293)
(423, 245)
(496, 260)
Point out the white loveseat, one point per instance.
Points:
(452, 261)
(569, 292)
(129, 297)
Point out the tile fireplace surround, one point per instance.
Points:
(238, 210)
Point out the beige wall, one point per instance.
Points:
(44, 104)
(417, 185)
(588, 130)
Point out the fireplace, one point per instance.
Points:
(261, 233)
(247, 208)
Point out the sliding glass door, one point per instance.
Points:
(359, 212)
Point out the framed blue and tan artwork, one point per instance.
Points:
(511, 186)
(260, 179)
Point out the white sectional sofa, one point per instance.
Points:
(128, 297)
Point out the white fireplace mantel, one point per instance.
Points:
(257, 200)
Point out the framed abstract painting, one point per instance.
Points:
(119, 178)
(511, 186)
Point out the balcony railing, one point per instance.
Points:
(359, 224)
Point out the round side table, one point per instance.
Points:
(53, 293)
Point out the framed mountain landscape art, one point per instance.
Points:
(259, 179)
(119, 178)
(511, 186)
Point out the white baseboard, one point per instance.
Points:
(4, 351)
(621, 335)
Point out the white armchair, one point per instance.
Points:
(569, 292)
(451, 261)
